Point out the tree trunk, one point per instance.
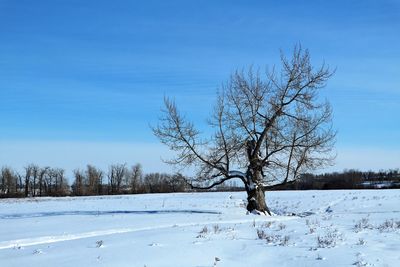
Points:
(255, 176)
(255, 193)
(26, 187)
(256, 201)
(40, 186)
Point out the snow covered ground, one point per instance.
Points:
(310, 228)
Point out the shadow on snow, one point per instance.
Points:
(98, 213)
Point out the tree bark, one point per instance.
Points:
(255, 176)
(256, 201)
(256, 194)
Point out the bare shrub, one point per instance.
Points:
(362, 224)
(267, 224)
(273, 239)
(389, 225)
(320, 258)
(203, 232)
(261, 234)
(329, 240)
(361, 242)
(281, 226)
(216, 260)
(38, 251)
(99, 243)
(327, 217)
(360, 263)
(217, 229)
(312, 225)
(285, 241)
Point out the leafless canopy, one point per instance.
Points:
(268, 127)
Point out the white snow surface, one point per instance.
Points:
(309, 228)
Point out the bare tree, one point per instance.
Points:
(27, 178)
(95, 180)
(176, 183)
(136, 178)
(33, 180)
(116, 174)
(153, 182)
(41, 179)
(35, 174)
(268, 130)
(78, 186)
(60, 182)
(9, 182)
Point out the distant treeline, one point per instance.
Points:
(36, 181)
(348, 179)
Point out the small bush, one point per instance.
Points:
(37, 251)
(281, 226)
(203, 232)
(99, 243)
(261, 234)
(267, 225)
(273, 239)
(285, 241)
(361, 242)
(360, 263)
(362, 224)
(389, 225)
(312, 225)
(217, 229)
(320, 258)
(329, 240)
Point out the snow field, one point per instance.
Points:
(309, 228)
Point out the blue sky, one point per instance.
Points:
(81, 81)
